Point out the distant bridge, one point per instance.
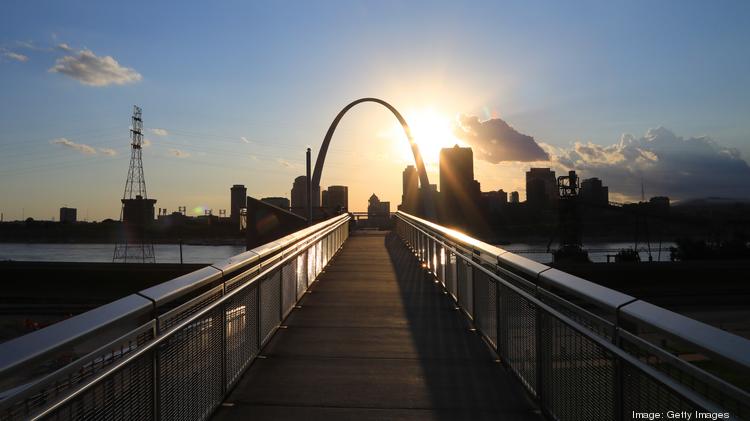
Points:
(419, 322)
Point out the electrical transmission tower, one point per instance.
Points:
(137, 211)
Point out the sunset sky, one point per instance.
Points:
(631, 92)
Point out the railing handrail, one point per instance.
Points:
(111, 320)
(186, 322)
(714, 341)
(440, 250)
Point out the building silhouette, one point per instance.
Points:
(410, 192)
(299, 196)
(336, 198)
(68, 215)
(593, 192)
(279, 202)
(378, 213)
(494, 201)
(459, 192)
(514, 197)
(239, 201)
(541, 188)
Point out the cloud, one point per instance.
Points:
(244, 139)
(65, 47)
(495, 141)
(159, 132)
(179, 153)
(107, 151)
(146, 142)
(667, 164)
(80, 147)
(17, 57)
(285, 163)
(90, 69)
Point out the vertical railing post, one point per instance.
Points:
(156, 383)
(224, 350)
(497, 318)
(538, 332)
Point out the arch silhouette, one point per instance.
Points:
(429, 206)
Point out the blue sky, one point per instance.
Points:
(276, 73)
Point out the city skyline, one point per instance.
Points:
(645, 91)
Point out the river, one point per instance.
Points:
(170, 253)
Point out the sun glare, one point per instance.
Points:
(431, 130)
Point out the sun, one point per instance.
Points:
(432, 130)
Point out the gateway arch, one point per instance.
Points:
(424, 182)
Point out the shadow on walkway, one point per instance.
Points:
(376, 339)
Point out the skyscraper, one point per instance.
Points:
(238, 201)
(410, 192)
(594, 192)
(541, 188)
(459, 192)
(299, 196)
(68, 214)
(338, 198)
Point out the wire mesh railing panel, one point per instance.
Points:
(485, 301)
(517, 341)
(242, 341)
(440, 265)
(578, 375)
(288, 286)
(310, 266)
(240, 280)
(579, 361)
(301, 274)
(431, 255)
(451, 281)
(75, 375)
(323, 252)
(184, 311)
(270, 302)
(642, 393)
(734, 401)
(126, 394)
(602, 327)
(318, 259)
(481, 299)
(465, 287)
(189, 367)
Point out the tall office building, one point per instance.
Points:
(593, 192)
(239, 201)
(299, 196)
(459, 192)
(68, 214)
(513, 197)
(495, 201)
(410, 192)
(541, 188)
(337, 198)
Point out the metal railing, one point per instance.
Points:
(170, 352)
(585, 352)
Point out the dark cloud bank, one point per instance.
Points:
(670, 165)
(667, 164)
(495, 141)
